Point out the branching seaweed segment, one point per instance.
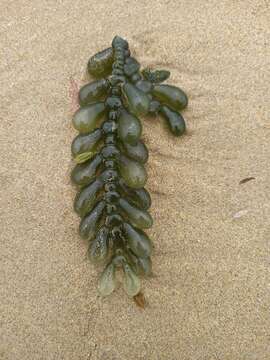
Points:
(112, 201)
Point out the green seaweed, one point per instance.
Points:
(110, 155)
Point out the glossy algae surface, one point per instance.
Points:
(111, 156)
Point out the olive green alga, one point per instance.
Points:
(112, 201)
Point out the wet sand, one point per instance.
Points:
(209, 297)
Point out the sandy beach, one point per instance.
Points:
(209, 297)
